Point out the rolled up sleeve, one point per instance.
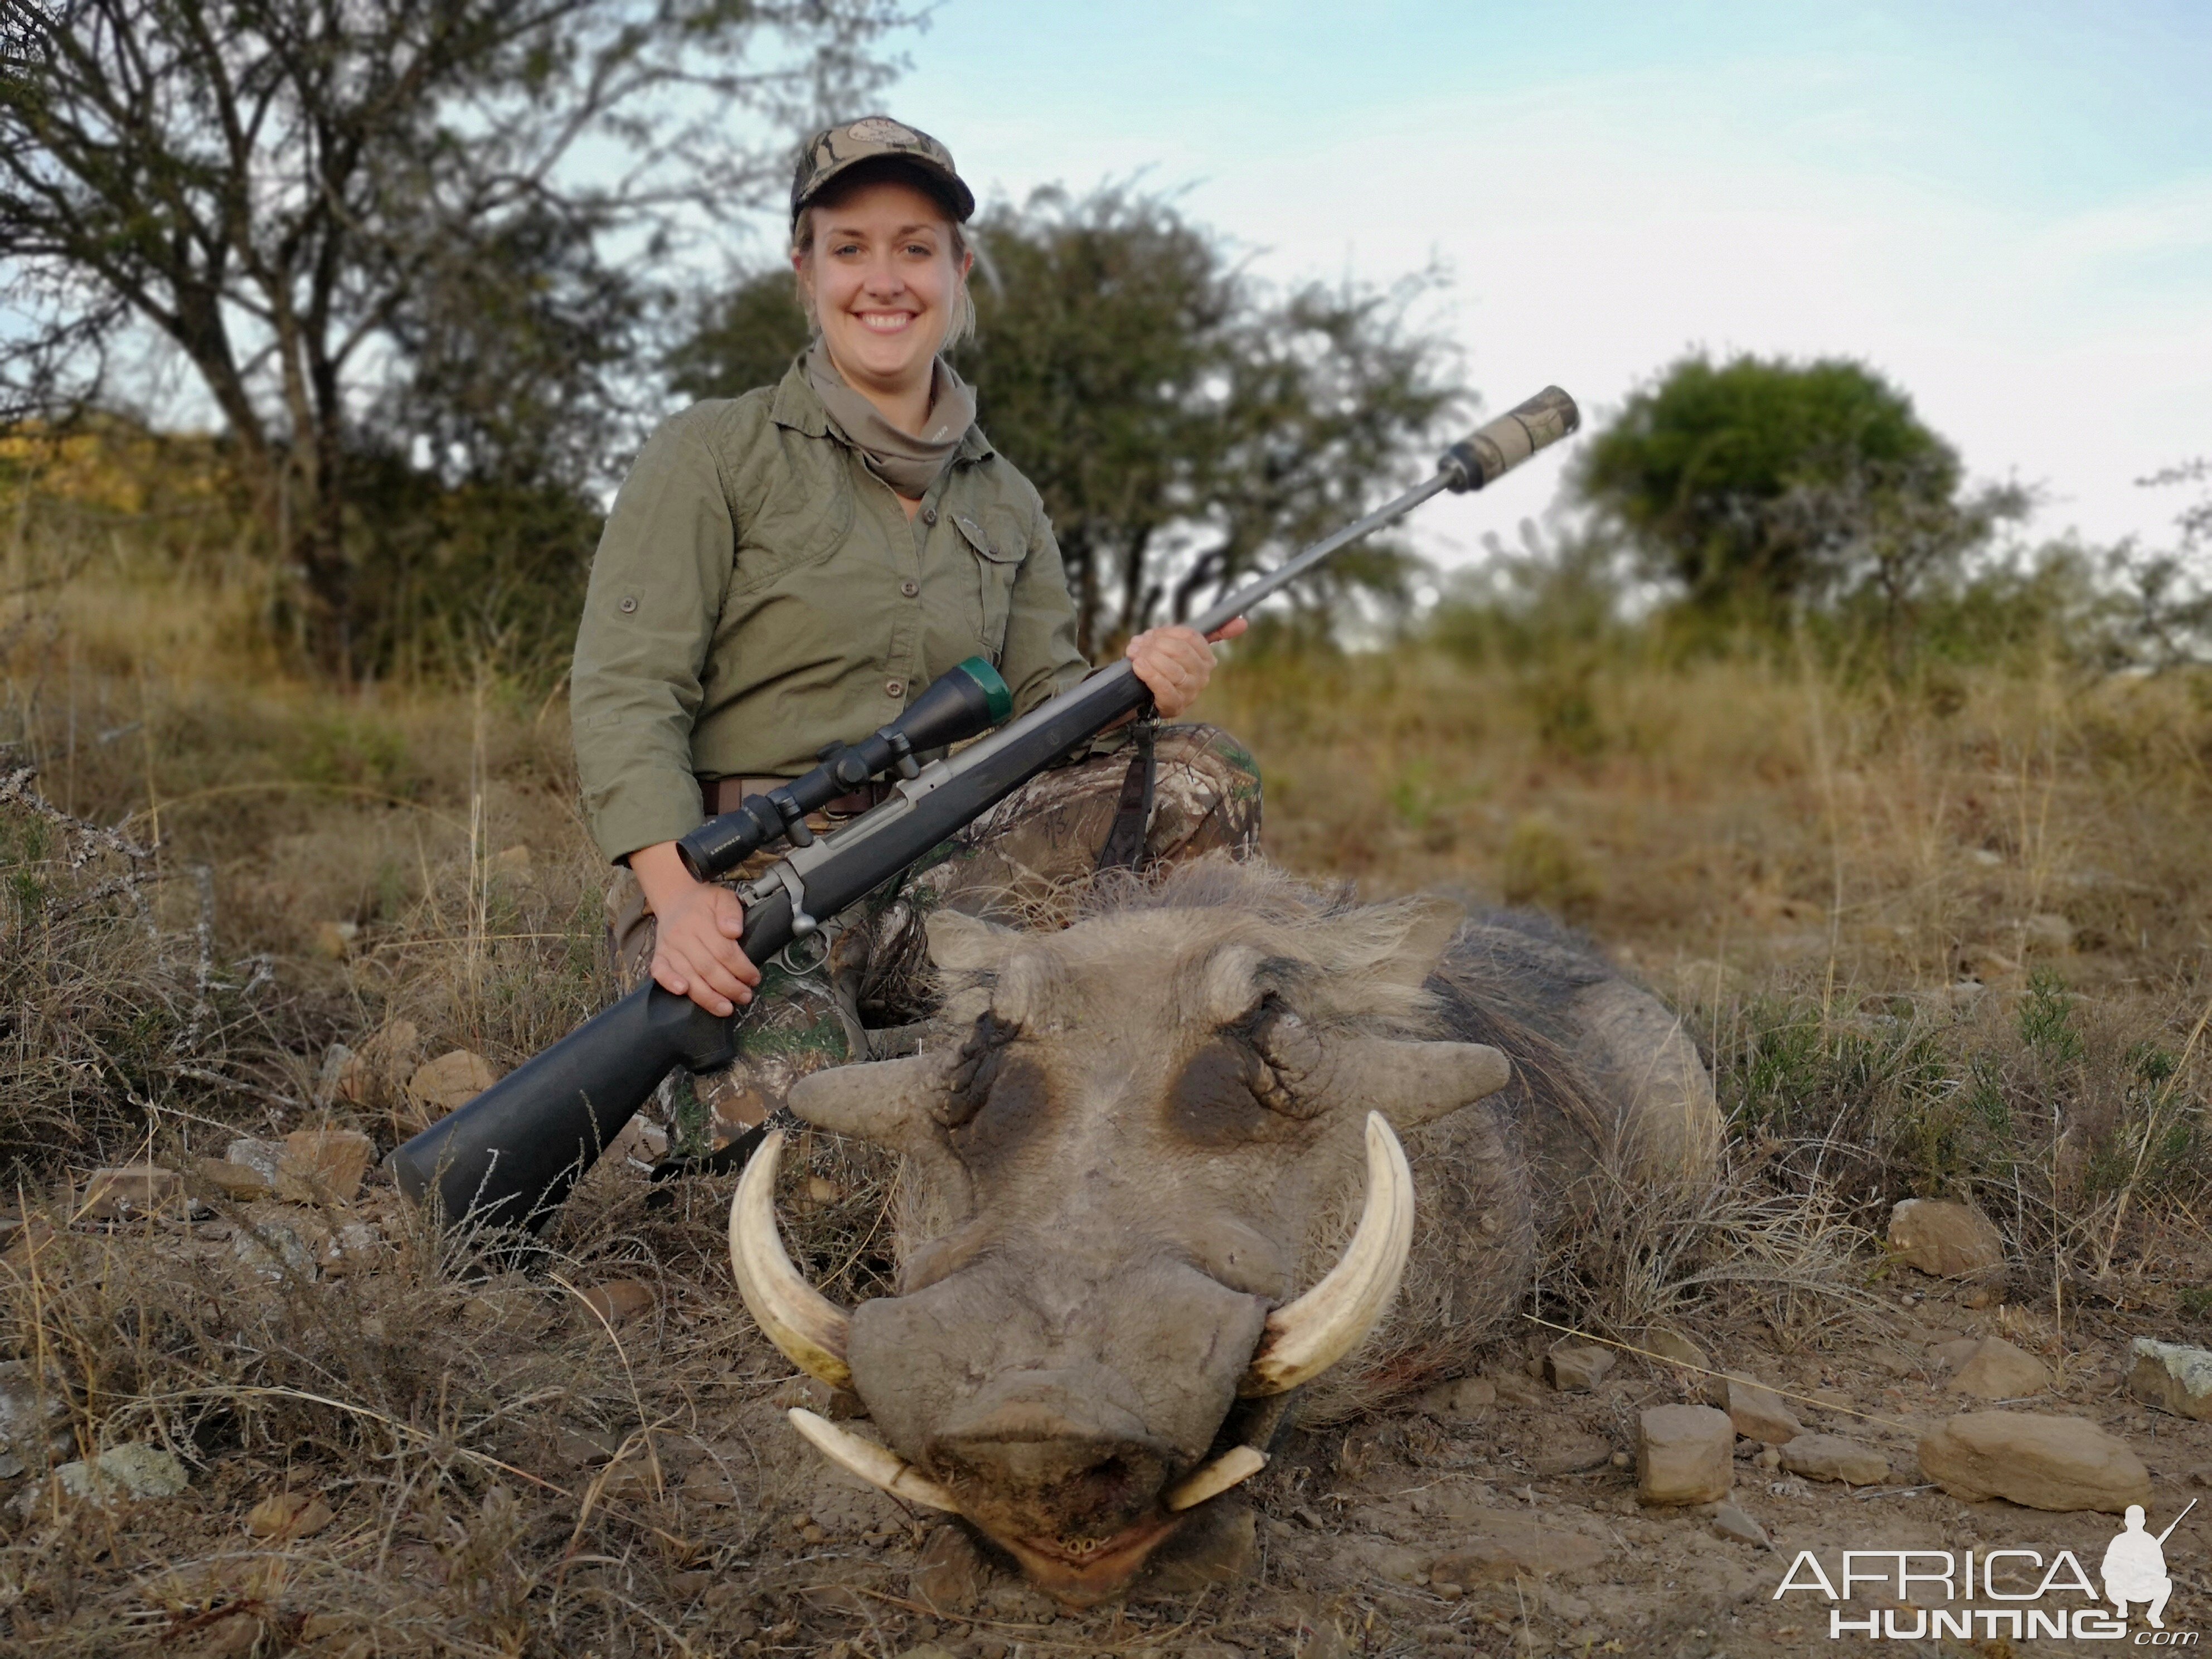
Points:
(650, 618)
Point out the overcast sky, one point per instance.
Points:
(2007, 208)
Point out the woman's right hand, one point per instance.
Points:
(696, 928)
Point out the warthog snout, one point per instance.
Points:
(1050, 1454)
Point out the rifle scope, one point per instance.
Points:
(964, 701)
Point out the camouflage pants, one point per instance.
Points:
(874, 976)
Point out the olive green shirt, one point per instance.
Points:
(758, 593)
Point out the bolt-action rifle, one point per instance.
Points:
(509, 1156)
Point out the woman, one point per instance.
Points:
(787, 568)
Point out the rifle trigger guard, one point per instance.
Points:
(803, 925)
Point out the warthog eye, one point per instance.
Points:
(977, 1069)
(1236, 1085)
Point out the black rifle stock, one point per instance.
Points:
(511, 1154)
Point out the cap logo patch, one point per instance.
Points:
(880, 130)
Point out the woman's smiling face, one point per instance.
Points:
(885, 279)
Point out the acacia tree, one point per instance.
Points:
(1183, 422)
(438, 216)
(1758, 483)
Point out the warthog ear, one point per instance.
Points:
(886, 1101)
(1431, 921)
(960, 944)
(1416, 1083)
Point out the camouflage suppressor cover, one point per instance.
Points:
(1502, 445)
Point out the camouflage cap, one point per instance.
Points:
(833, 149)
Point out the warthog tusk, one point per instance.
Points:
(1238, 1463)
(878, 1466)
(799, 1319)
(1305, 1338)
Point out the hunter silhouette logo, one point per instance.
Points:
(2135, 1566)
(1916, 1595)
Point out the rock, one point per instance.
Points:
(272, 1250)
(264, 1157)
(323, 1166)
(1954, 1355)
(1577, 1367)
(448, 1083)
(1833, 1457)
(353, 1247)
(1456, 1401)
(130, 1189)
(369, 1077)
(2043, 1462)
(1950, 1240)
(235, 1181)
(1570, 1454)
(1998, 1371)
(619, 1301)
(1733, 1524)
(1758, 1413)
(284, 1516)
(1514, 1388)
(1498, 1547)
(1684, 1454)
(2172, 1377)
(951, 1572)
(133, 1472)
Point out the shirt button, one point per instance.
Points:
(894, 688)
(929, 515)
(627, 606)
(909, 588)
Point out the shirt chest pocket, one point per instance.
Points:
(802, 519)
(997, 554)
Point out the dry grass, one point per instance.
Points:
(1948, 944)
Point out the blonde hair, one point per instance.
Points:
(890, 171)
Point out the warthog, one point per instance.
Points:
(1150, 1131)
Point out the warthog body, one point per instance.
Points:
(1148, 1137)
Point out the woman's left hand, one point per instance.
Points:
(1175, 663)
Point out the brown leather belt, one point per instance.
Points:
(722, 795)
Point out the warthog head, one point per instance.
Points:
(1152, 1119)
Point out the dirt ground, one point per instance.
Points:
(632, 1459)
